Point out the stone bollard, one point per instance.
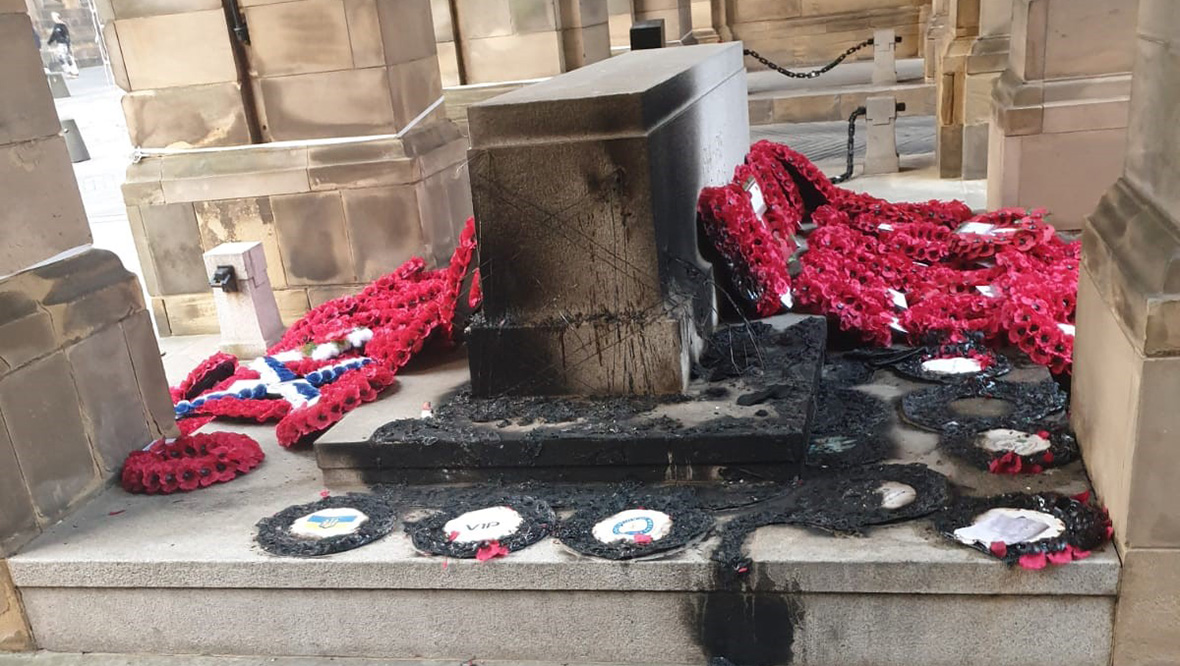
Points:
(246, 308)
(881, 135)
(884, 57)
(74, 143)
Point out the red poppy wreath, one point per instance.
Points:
(190, 462)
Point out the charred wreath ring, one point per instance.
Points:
(460, 530)
(276, 535)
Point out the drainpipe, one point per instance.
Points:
(239, 39)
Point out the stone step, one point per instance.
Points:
(82, 659)
(181, 574)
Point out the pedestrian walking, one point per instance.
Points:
(59, 45)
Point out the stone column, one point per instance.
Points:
(81, 383)
(444, 38)
(704, 30)
(517, 40)
(1060, 108)
(331, 217)
(985, 61)
(933, 36)
(1127, 353)
(677, 15)
(962, 29)
(621, 15)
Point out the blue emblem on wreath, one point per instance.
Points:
(648, 526)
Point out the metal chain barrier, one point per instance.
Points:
(860, 111)
(815, 73)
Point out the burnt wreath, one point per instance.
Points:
(689, 524)
(1029, 403)
(850, 429)
(483, 528)
(277, 535)
(1043, 445)
(1069, 527)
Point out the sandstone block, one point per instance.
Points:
(26, 332)
(15, 634)
(1089, 37)
(149, 373)
(177, 50)
(749, 11)
(313, 239)
(513, 57)
(110, 398)
(317, 296)
(110, 39)
(37, 184)
(407, 30)
(83, 293)
(384, 228)
(280, 35)
(187, 117)
(534, 15)
(585, 45)
(444, 27)
(1149, 601)
(29, 115)
(18, 521)
(364, 33)
(414, 86)
(235, 174)
(174, 242)
(195, 314)
(41, 410)
(327, 104)
(484, 18)
(231, 220)
(127, 9)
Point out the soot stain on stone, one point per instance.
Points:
(748, 627)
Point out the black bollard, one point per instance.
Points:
(648, 35)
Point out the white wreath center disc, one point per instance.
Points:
(490, 524)
(1003, 440)
(633, 525)
(329, 523)
(1010, 526)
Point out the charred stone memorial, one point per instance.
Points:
(597, 354)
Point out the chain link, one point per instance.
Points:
(815, 73)
(860, 111)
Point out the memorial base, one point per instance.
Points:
(755, 423)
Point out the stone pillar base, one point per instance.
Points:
(331, 217)
(985, 63)
(15, 635)
(1057, 144)
(1126, 378)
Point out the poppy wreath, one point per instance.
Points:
(1004, 274)
(963, 443)
(428, 536)
(190, 462)
(850, 429)
(1087, 527)
(341, 354)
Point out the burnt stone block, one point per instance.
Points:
(175, 245)
(18, 521)
(149, 372)
(585, 189)
(312, 239)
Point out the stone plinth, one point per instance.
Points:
(1127, 354)
(514, 40)
(809, 32)
(703, 29)
(331, 216)
(1060, 108)
(585, 190)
